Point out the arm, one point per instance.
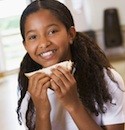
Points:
(82, 118)
(114, 127)
(38, 85)
(65, 88)
(43, 123)
(85, 122)
(64, 85)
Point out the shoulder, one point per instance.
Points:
(115, 110)
(119, 82)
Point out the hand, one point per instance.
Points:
(38, 85)
(65, 87)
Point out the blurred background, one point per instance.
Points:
(103, 21)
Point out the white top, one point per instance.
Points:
(61, 120)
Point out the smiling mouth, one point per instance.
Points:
(48, 54)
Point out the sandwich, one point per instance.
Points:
(66, 64)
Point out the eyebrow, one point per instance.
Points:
(33, 30)
(30, 31)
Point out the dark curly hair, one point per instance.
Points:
(88, 58)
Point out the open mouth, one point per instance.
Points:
(48, 54)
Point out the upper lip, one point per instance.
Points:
(47, 50)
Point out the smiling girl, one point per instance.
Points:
(91, 98)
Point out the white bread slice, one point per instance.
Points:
(47, 70)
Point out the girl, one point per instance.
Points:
(90, 99)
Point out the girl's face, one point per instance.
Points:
(46, 38)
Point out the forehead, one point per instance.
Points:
(42, 16)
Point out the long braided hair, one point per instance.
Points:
(88, 58)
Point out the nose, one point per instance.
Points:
(44, 42)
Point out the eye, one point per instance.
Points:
(32, 37)
(53, 31)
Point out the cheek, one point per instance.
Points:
(62, 41)
(30, 48)
(64, 44)
(64, 48)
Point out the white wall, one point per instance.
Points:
(2, 62)
(91, 15)
(11, 8)
(97, 7)
(78, 14)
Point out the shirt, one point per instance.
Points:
(61, 119)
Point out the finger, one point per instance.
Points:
(69, 79)
(43, 92)
(62, 78)
(57, 77)
(33, 80)
(40, 84)
(67, 83)
(66, 73)
(55, 87)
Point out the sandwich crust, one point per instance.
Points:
(66, 64)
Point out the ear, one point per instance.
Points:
(72, 32)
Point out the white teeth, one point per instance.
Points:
(47, 53)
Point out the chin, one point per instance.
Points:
(49, 63)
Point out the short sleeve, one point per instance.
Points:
(115, 111)
(23, 109)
